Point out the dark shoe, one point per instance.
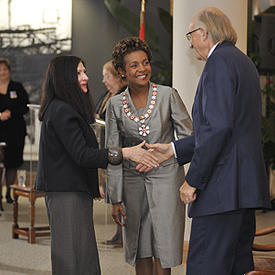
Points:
(118, 243)
(115, 243)
(117, 236)
(112, 242)
(109, 242)
(9, 199)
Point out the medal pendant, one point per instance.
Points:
(144, 130)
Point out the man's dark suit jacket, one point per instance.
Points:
(68, 152)
(227, 165)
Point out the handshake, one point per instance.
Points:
(156, 154)
(148, 159)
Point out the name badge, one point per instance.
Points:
(13, 94)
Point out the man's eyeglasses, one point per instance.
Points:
(189, 36)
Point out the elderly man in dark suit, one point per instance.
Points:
(226, 180)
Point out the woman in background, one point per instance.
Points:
(114, 84)
(13, 106)
(67, 167)
(154, 228)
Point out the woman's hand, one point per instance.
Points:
(102, 196)
(116, 209)
(140, 155)
(5, 115)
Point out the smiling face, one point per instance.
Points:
(82, 77)
(137, 68)
(4, 72)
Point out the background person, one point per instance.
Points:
(154, 214)
(67, 167)
(13, 106)
(115, 84)
(226, 180)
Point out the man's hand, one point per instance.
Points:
(166, 149)
(160, 151)
(187, 193)
(116, 209)
(140, 155)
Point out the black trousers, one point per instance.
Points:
(221, 244)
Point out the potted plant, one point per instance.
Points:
(268, 96)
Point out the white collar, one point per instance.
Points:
(212, 49)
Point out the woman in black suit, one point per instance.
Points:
(68, 162)
(13, 106)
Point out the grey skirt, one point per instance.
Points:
(73, 243)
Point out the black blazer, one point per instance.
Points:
(100, 101)
(227, 165)
(68, 152)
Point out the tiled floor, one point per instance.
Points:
(17, 257)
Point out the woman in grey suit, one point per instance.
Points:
(153, 215)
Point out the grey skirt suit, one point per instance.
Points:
(154, 225)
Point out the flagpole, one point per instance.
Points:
(142, 20)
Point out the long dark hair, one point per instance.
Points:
(61, 82)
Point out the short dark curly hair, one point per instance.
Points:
(126, 46)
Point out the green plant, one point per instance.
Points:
(268, 125)
(268, 92)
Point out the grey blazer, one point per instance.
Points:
(168, 119)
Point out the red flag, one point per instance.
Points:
(142, 21)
